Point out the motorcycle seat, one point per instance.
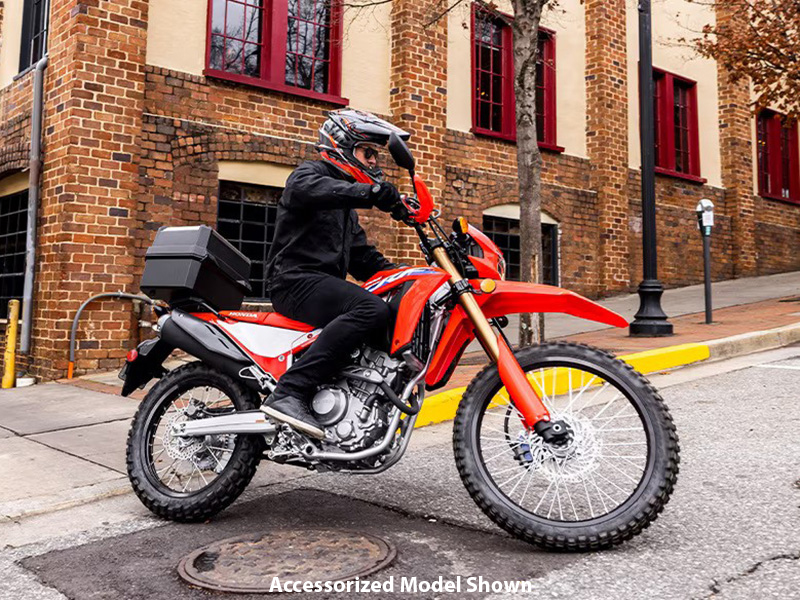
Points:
(271, 319)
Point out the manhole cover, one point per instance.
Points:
(249, 563)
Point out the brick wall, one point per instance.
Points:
(607, 136)
(15, 124)
(94, 101)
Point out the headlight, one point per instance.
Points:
(501, 268)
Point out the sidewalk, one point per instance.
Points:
(63, 444)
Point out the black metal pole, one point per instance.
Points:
(707, 275)
(650, 320)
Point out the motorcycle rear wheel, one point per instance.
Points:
(190, 479)
(612, 478)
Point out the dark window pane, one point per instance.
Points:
(217, 52)
(304, 66)
(291, 69)
(234, 22)
(218, 17)
(497, 60)
(321, 76)
(246, 218)
(497, 117)
(497, 90)
(253, 24)
(233, 55)
(484, 115)
(489, 81)
(13, 224)
(308, 44)
(252, 60)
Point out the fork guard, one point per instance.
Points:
(510, 297)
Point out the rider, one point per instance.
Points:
(318, 241)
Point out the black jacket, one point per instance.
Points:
(317, 227)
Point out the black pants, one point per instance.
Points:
(349, 314)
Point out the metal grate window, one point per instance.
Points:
(505, 233)
(35, 19)
(13, 226)
(246, 216)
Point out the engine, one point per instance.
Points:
(356, 411)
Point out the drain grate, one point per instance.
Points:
(248, 564)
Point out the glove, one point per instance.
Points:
(399, 212)
(385, 196)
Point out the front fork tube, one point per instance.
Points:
(513, 377)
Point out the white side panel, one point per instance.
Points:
(264, 340)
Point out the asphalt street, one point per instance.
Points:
(730, 530)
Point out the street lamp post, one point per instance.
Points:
(650, 320)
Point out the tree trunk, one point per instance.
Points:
(527, 14)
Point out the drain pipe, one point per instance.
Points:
(33, 204)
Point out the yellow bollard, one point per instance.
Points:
(9, 377)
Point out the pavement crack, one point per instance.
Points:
(78, 456)
(71, 427)
(717, 585)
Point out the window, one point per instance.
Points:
(35, 17)
(677, 146)
(246, 217)
(493, 80)
(777, 144)
(505, 233)
(286, 45)
(13, 229)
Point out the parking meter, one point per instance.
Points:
(705, 216)
(705, 221)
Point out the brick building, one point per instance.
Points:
(194, 111)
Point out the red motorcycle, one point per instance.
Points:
(560, 444)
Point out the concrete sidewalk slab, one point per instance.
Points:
(5, 433)
(54, 406)
(31, 470)
(103, 444)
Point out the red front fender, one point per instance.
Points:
(511, 297)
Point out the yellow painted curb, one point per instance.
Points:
(442, 406)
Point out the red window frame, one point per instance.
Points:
(778, 155)
(272, 75)
(546, 134)
(667, 144)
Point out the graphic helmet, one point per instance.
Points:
(346, 129)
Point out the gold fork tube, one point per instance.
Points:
(483, 330)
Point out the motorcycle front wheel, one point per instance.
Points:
(601, 486)
(190, 478)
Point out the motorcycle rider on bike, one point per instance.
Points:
(318, 241)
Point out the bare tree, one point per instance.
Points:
(759, 40)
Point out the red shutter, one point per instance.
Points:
(694, 133)
(794, 164)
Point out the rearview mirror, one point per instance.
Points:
(400, 153)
